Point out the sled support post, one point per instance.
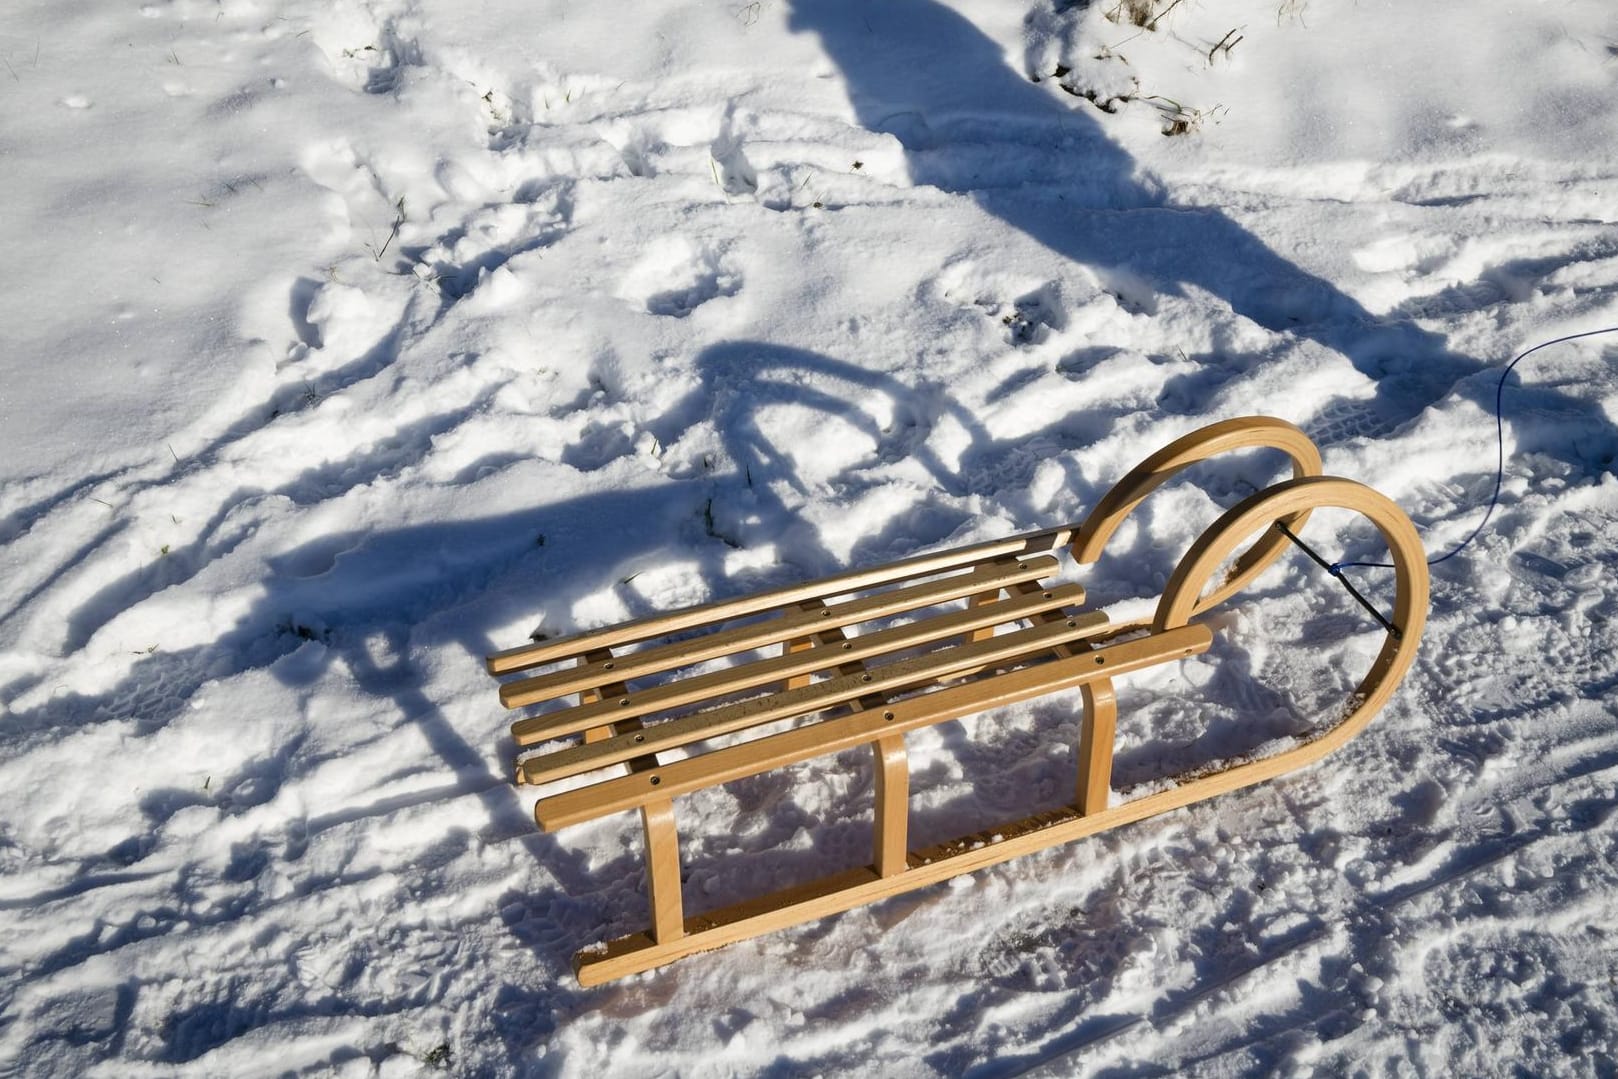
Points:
(799, 644)
(663, 870)
(803, 644)
(980, 600)
(892, 805)
(633, 716)
(599, 657)
(1096, 737)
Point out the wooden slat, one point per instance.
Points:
(775, 631)
(643, 629)
(834, 735)
(703, 687)
(957, 661)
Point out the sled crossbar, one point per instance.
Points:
(633, 716)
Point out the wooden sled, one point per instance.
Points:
(984, 630)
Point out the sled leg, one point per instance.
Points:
(892, 805)
(1099, 731)
(980, 600)
(663, 871)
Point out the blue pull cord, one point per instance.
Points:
(1336, 568)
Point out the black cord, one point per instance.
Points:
(1500, 456)
(1337, 572)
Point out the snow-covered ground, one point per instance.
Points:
(349, 340)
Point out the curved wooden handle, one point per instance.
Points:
(1242, 433)
(1181, 597)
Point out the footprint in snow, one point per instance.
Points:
(365, 51)
(677, 276)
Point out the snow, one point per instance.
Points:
(350, 340)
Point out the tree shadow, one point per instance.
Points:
(969, 124)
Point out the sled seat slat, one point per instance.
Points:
(789, 622)
(715, 685)
(826, 588)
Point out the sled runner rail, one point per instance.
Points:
(631, 717)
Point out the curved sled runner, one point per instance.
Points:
(743, 686)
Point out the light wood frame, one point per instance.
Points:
(825, 690)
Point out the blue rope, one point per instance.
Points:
(1336, 568)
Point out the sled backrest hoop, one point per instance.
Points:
(1287, 501)
(1247, 432)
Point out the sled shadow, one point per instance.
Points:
(372, 602)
